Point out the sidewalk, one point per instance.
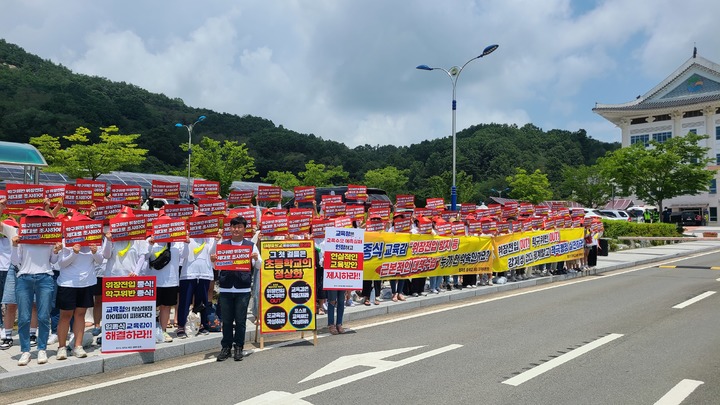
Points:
(13, 377)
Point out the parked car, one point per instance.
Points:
(691, 218)
(617, 214)
(592, 212)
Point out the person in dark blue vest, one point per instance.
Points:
(235, 289)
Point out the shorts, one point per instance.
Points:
(70, 298)
(166, 296)
(97, 288)
(8, 296)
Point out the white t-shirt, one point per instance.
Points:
(5, 252)
(33, 259)
(197, 264)
(124, 257)
(168, 275)
(78, 269)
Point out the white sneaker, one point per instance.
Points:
(52, 339)
(167, 338)
(79, 352)
(42, 357)
(24, 359)
(61, 353)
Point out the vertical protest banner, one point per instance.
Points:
(233, 257)
(128, 313)
(127, 195)
(165, 230)
(99, 188)
(40, 230)
(204, 189)
(269, 193)
(343, 258)
(83, 233)
(212, 207)
(287, 285)
(24, 195)
(165, 189)
(78, 197)
(240, 197)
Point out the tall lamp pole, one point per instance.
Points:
(454, 74)
(189, 129)
(500, 191)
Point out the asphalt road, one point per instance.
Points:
(607, 339)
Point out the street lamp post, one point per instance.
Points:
(454, 74)
(500, 191)
(189, 129)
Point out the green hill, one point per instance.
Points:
(38, 96)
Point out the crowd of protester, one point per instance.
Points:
(49, 288)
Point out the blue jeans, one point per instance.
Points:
(55, 311)
(193, 292)
(3, 277)
(338, 297)
(41, 286)
(435, 282)
(234, 310)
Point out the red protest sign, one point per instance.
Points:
(356, 212)
(380, 203)
(166, 230)
(183, 211)
(250, 216)
(330, 198)
(300, 212)
(383, 212)
(304, 194)
(203, 227)
(107, 209)
(356, 192)
(83, 233)
(334, 209)
(212, 207)
(435, 204)
(271, 225)
(123, 228)
(78, 197)
(319, 225)
(25, 195)
(240, 197)
(269, 193)
(375, 225)
(165, 189)
(299, 224)
(402, 225)
(406, 201)
(40, 230)
(202, 189)
(342, 222)
(55, 193)
(98, 187)
(128, 195)
(149, 217)
(233, 257)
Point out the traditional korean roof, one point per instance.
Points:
(696, 82)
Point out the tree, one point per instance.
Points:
(285, 180)
(223, 162)
(439, 186)
(81, 159)
(586, 185)
(534, 187)
(662, 170)
(389, 178)
(319, 175)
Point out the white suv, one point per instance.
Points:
(616, 215)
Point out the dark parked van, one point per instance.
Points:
(374, 194)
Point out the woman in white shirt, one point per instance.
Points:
(166, 279)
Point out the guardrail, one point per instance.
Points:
(671, 239)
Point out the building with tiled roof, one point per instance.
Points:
(686, 101)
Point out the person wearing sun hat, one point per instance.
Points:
(34, 280)
(76, 283)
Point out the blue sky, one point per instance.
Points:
(345, 70)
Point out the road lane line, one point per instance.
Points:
(557, 361)
(679, 392)
(694, 300)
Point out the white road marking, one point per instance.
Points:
(309, 338)
(679, 392)
(694, 300)
(536, 371)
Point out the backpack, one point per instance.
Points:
(213, 321)
(161, 259)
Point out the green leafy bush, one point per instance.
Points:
(614, 229)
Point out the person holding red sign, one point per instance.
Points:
(34, 280)
(166, 279)
(235, 289)
(76, 284)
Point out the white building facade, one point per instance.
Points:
(686, 101)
